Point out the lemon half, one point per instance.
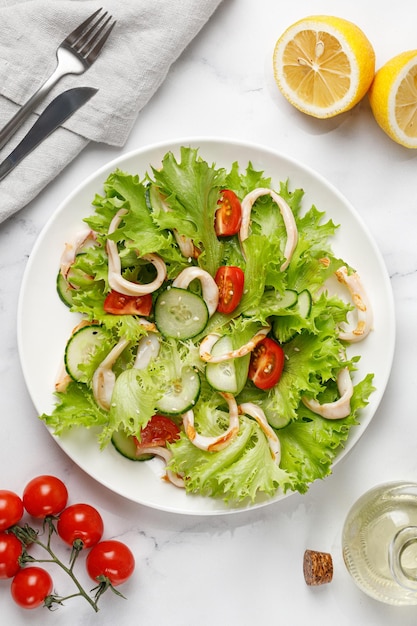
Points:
(393, 98)
(323, 65)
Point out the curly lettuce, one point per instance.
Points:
(189, 189)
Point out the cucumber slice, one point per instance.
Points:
(276, 302)
(64, 290)
(273, 303)
(231, 375)
(286, 327)
(125, 445)
(87, 346)
(304, 303)
(222, 376)
(180, 314)
(275, 420)
(181, 394)
(75, 280)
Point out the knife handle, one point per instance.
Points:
(65, 65)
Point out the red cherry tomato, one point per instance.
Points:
(10, 551)
(159, 431)
(228, 216)
(11, 509)
(120, 304)
(45, 495)
(31, 586)
(80, 522)
(112, 559)
(266, 364)
(230, 281)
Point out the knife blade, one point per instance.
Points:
(55, 114)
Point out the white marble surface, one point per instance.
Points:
(245, 568)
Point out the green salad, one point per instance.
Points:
(208, 334)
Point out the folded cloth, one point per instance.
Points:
(148, 37)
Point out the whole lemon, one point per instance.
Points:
(393, 98)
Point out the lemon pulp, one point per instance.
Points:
(323, 65)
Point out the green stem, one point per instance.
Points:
(55, 559)
(70, 573)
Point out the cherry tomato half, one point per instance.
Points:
(159, 431)
(120, 304)
(266, 364)
(80, 522)
(45, 495)
(11, 509)
(228, 216)
(230, 281)
(112, 559)
(10, 551)
(31, 586)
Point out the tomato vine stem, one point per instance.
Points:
(28, 536)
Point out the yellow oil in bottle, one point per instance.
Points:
(379, 543)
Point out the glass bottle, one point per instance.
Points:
(379, 542)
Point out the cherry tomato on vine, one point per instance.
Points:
(228, 216)
(230, 281)
(112, 559)
(80, 522)
(31, 586)
(158, 432)
(45, 495)
(120, 304)
(10, 551)
(11, 509)
(266, 364)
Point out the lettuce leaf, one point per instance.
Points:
(242, 182)
(237, 473)
(75, 408)
(132, 404)
(310, 444)
(191, 188)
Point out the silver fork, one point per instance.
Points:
(74, 55)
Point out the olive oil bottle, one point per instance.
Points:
(379, 542)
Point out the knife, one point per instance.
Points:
(55, 114)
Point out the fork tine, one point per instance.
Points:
(77, 32)
(89, 34)
(99, 40)
(89, 38)
(84, 44)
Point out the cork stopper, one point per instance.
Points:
(317, 567)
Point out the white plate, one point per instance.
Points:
(43, 331)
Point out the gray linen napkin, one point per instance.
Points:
(149, 36)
